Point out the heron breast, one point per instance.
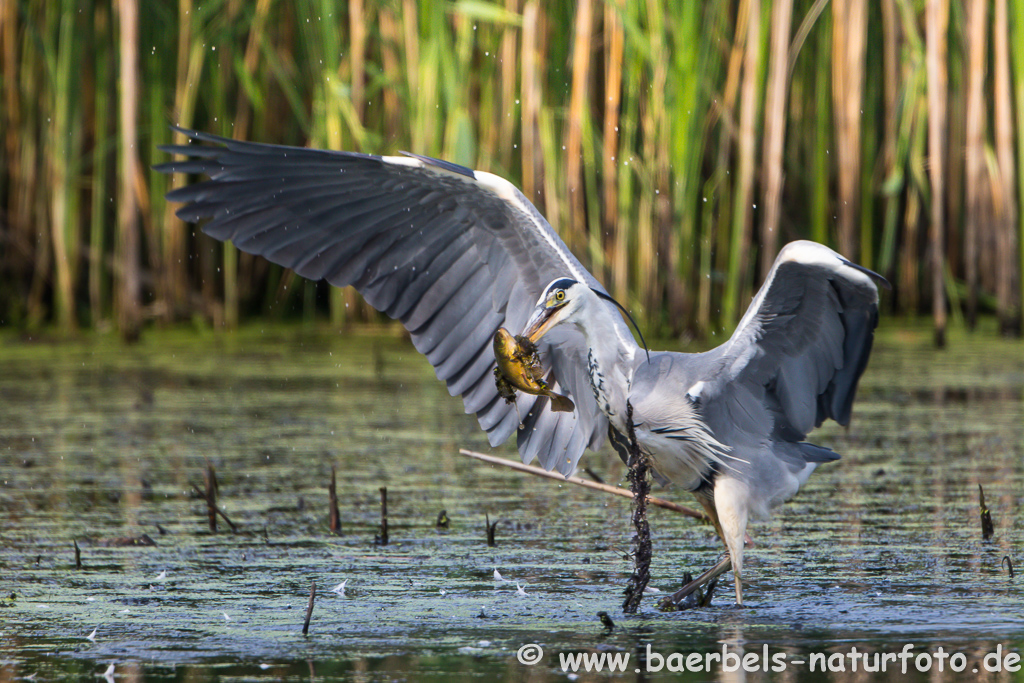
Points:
(676, 459)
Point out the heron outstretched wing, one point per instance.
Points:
(799, 350)
(450, 252)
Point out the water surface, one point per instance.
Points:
(99, 442)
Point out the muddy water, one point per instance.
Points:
(100, 443)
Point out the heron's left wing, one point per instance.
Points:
(800, 349)
(451, 252)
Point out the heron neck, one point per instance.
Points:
(610, 355)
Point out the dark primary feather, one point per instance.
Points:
(427, 244)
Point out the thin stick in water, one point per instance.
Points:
(987, 528)
(382, 539)
(210, 477)
(332, 494)
(490, 530)
(309, 608)
(216, 509)
(614, 490)
(78, 558)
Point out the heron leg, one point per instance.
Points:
(675, 601)
(731, 505)
(727, 509)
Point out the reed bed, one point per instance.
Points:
(674, 146)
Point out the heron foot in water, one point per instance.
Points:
(698, 591)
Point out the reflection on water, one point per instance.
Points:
(97, 442)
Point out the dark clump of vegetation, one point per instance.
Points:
(674, 146)
(639, 476)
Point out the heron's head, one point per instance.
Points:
(561, 302)
(568, 300)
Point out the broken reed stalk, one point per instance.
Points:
(332, 493)
(975, 171)
(78, 558)
(309, 608)
(1009, 564)
(383, 537)
(491, 528)
(640, 485)
(216, 510)
(986, 517)
(936, 32)
(614, 490)
(210, 478)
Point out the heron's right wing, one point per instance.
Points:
(450, 252)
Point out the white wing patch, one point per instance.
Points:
(507, 192)
(411, 162)
(814, 254)
(510, 194)
(810, 254)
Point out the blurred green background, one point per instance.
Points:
(674, 145)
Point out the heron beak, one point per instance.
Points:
(542, 320)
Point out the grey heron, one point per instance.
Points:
(455, 254)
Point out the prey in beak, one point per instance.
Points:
(518, 367)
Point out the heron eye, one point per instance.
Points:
(560, 295)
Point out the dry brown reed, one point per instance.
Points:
(636, 127)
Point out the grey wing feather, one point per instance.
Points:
(452, 253)
(793, 362)
(800, 349)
